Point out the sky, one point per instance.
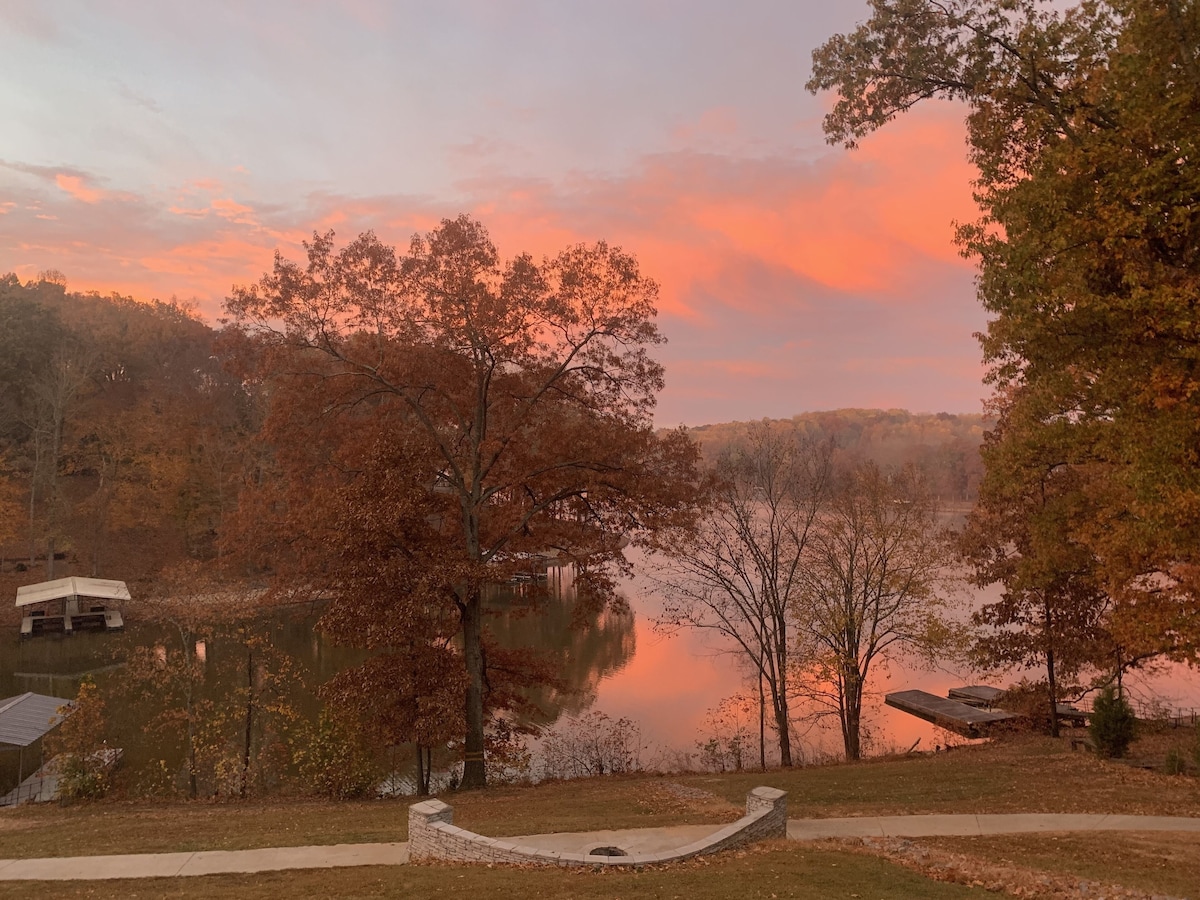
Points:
(167, 149)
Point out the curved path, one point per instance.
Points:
(213, 862)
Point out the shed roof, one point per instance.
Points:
(25, 718)
(75, 586)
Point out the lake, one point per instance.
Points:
(619, 664)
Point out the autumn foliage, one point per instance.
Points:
(442, 420)
(1082, 122)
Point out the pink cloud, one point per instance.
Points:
(77, 187)
(807, 282)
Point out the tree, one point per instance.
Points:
(870, 588)
(1052, 609)
(518, 395)
(1112, 724)
(1083, 123)
(411, 695)
(739, 571)
(84, 760)
(215, 684)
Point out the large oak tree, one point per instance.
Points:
(471, 414)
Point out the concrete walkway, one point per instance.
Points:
(949, 826)
(641, 840)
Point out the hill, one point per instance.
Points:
(945, 446)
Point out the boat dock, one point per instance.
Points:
(953, 715)
(78, 604)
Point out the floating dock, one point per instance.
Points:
(953, 715)
(970, 711)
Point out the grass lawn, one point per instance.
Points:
(1167, 864)
(769, 871)
(1021, 775)
(1027, 774)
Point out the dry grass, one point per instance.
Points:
(1022, 774)
(104, 828)
(145, 828)
(1155, 863)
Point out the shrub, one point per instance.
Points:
(509, 759)
(1175, 763)
(334, 762)
(1112, 724)
(84, 760)
(592, 745)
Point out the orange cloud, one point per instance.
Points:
(229, 208)
(786, 284)
(78, 188)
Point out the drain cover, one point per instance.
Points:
(607, 851)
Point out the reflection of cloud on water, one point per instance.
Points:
(667, 688)
(672, 681)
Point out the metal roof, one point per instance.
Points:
(63, 588)
(26, 718)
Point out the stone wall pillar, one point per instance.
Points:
(423, 842)
(774, 802)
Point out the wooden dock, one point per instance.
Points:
(982, 696)
(953, 715)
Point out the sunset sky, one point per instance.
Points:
(165, 149)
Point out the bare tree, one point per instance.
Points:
(738, 573)
(871, 587)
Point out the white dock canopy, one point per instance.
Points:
(70, 589)
(26, 718)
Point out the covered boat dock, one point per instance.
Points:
(24, 720)
(84, 603)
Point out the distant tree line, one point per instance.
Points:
(943, 447)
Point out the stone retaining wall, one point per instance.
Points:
(432, 835)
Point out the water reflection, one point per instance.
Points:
(580, 649)
(609, 661)
(583, 649)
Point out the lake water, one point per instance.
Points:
(619, 664)
(673, 680)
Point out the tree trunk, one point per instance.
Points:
(1053, 691)
(851, 715)
(1051, 684)
(781, 722)
(779, 693)
(422, 772)
(762, 725)
(249, 721)
(474, 772)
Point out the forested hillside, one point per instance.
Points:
(122, 440)
(944, 446)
